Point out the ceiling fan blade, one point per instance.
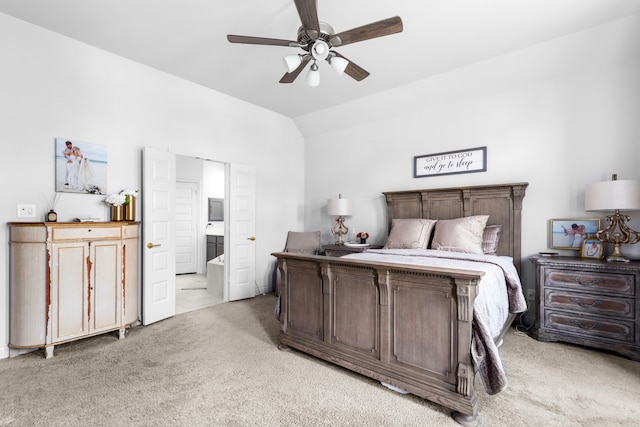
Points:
(308, 12)
(290, 77)
(355, 71)
(262, 40)
(369, 31)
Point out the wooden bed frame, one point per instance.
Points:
(407, 326)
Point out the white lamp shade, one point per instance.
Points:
(339, 64)
(313, 76)
(339, 207)
(292, 62)
(611, 195)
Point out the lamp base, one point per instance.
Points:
(340, 229)
(616, 255)
(618, 233)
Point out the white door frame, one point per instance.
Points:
(248, 268)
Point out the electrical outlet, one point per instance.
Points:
(531, 294)
(26, 211)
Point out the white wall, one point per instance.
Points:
(558, 115)
(213, 174)
(52, 86)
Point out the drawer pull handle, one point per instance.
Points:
(594, 325)
(593, 282)
(595, 303)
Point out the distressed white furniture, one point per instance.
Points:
(71, 280)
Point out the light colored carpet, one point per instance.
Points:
(220, 366)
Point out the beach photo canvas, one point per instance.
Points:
(81, 167)
(571, 233)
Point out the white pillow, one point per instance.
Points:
(410, 233)
(460, 234)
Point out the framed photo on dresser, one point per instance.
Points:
(571, 233)
(592, 248)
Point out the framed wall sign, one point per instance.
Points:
(450, 162)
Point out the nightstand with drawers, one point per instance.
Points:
(588, 302)
(342, 250)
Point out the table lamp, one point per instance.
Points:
(615, 195)
(339, 208)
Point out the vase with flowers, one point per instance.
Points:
(363, 237)
(129, 204)
(116, 203)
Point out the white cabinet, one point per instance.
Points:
(71, 280)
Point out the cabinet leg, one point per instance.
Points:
(48, 352)
(121, 333)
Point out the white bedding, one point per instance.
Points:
(499, 293)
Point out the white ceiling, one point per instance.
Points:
(187, 38)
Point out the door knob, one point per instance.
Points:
(151, 245)
(252, 238)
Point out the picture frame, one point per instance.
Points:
(571, 233)
(450, 162)
(80, 167)
(593, 248)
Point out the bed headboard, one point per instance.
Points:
(502, 202)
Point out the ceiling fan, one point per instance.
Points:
(318, 39)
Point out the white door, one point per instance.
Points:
(186, 227)
(241, 248)
(158, 235)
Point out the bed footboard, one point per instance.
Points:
(407, 326)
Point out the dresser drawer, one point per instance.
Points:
(599, 282)
(86, 233)
(589, 304)
(587, 326)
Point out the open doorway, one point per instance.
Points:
(158, 286)
(199, 233)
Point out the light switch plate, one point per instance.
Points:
(26, 211)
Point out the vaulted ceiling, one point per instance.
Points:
(187, 38)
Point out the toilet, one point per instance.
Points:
(215, 276)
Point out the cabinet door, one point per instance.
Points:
(211, 250)
(69, 296)
(219, 246)
(105, 286)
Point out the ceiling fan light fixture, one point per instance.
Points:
(338, 64)
(320, 50)
(292, 62)
(317, 38)
(313, 76)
